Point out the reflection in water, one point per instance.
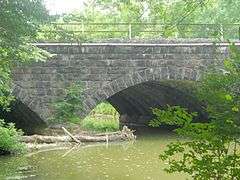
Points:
(119, 161)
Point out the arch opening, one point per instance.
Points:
(23, 117)
(135, 102)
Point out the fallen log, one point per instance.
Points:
(125, 134)
(45, 139)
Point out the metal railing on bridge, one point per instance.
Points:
(85, 32)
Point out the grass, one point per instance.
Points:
(100, 124)
(102, 118)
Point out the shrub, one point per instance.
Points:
(10, 139)
(65, 109)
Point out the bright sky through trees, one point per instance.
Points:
(63, 6)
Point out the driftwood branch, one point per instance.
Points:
(71, 136)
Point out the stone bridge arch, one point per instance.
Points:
(135, 78)
(135, 109)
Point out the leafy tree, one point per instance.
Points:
(212, 149)
(19, 23)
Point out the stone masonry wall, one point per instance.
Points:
(107, 68)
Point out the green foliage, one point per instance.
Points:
(19, 22)
(108, 124)
(66, 108)
(173, 115)
(10, 139)
(207, 155)
(212, 151)
(104, 108)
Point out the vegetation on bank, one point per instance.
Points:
(10, 139)
(101, 123)
(212, 149)
(103, 117)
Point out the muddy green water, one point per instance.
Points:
(119, 161)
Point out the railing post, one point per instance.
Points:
(82, 26)
(129, 31)
(239, 32)
(221, 32)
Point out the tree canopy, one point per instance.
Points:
(19, 23)
(148, 19)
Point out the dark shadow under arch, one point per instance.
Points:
(134, 103)
(134, 94)
(143, 76)
(23, 117)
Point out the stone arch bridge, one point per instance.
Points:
(132, 76)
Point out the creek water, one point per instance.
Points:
(137, 160)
